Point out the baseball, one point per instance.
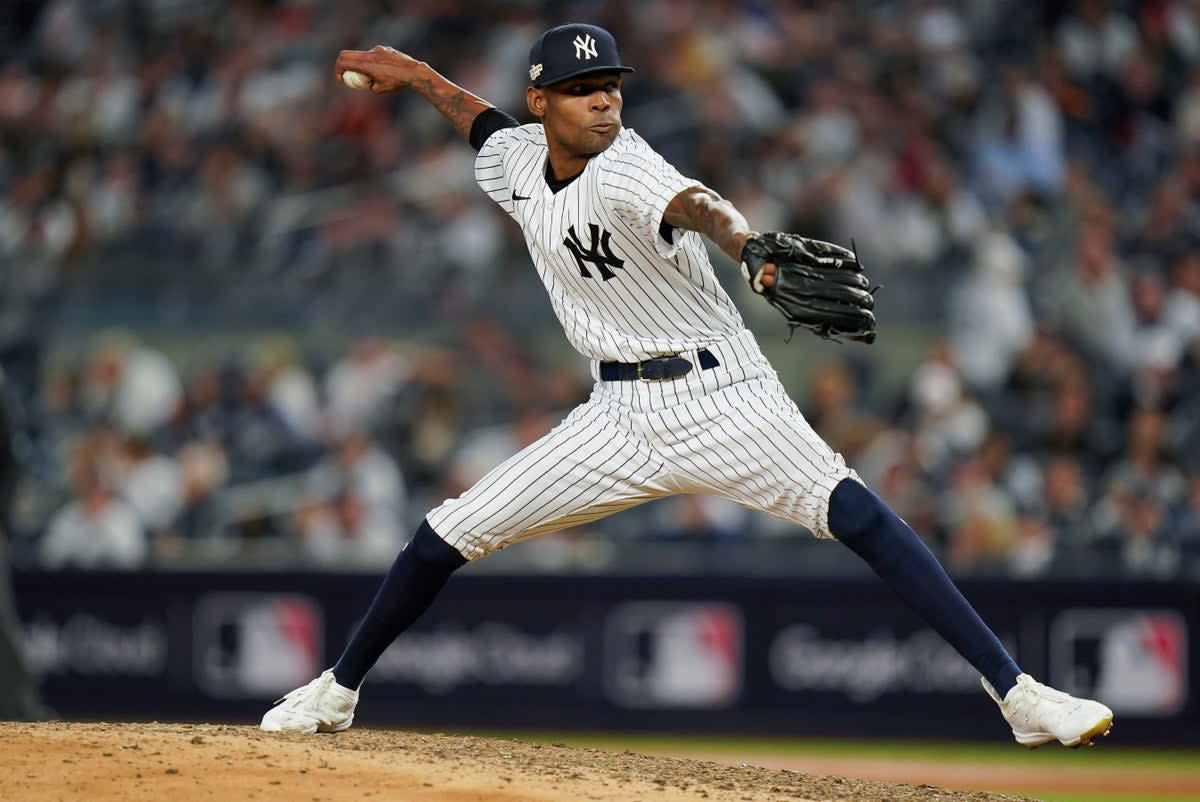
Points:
(356, 80)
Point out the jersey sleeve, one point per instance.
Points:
(491, 171)
(638, 185)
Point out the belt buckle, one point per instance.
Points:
(647, 379)
(663, 364)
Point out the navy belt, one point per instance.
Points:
(655, 370)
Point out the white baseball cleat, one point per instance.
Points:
(1039, 714)
(320, 706)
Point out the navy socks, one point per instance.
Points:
(857, 517)
(869, 528)
(411, 584)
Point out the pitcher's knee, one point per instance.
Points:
(854, 511)
(428, 546)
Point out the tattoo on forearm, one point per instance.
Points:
(459, 107)
(713, 216)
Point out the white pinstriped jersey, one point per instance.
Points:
(725, 428)
(621, 292)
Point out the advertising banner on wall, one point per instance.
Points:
(746, 655)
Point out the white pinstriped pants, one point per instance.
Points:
(731, 431)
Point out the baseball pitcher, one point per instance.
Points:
(684, 401)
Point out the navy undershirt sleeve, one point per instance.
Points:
(488, 122)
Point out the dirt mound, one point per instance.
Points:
(184, 762)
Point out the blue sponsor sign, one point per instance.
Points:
(725, 654)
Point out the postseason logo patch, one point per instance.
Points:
(1135, 661)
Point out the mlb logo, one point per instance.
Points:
(1135, 661)
(673, 655)
(254, 644)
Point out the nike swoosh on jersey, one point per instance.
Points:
(517, 197)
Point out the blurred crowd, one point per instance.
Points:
(1023, 178)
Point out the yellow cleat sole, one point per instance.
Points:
(1102, 728)
(1099, 731)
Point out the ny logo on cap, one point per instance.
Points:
(585, 47)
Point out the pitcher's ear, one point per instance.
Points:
(535, 99)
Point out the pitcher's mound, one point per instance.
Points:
(186, 762)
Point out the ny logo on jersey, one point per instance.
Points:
(599, 253)
(585, 47)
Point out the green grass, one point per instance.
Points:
(1064, 796)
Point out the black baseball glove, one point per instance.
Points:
(818, 285)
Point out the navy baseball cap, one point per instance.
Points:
(571, 50)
